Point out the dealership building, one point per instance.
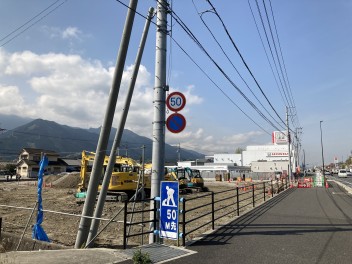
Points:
(269, 158)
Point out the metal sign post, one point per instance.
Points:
(169, 213)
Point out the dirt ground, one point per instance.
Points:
(61, 220)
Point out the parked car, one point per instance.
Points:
(5, 175)
(349, 173)
(342, 173)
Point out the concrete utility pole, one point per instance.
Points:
(105, 129)
(158, 159)
(112, 158)
(289, 148)
(322, 149)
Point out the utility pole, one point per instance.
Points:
(289, 148)
(179, 152)
(322, 149)
(158, 158)
(93, 185)
(119, 131)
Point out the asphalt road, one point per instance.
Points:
(298, 226)
(346, 181)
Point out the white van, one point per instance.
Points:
(342, 173)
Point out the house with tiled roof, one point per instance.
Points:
(29, 159)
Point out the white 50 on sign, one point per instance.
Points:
(176, 101)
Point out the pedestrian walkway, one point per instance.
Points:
(299, 226)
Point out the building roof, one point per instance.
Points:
(72, 162)
(36, 163)
(37, 151)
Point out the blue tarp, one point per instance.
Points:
(38, 231)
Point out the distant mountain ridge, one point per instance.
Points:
(70, 141)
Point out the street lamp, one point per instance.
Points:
(322, 149)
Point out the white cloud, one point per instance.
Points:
(71, 90)
(71, 32)
(11, 101)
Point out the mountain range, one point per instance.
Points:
(70, 141)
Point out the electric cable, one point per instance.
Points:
(223, 51)
(31, 25)
(242, 58)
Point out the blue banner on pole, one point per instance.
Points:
(38, 231)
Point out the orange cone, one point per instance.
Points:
(326, 184)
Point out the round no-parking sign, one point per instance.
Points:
(175, 123)
(176, 101)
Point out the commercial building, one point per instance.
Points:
(271, 158)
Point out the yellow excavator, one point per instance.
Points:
(189, 179)
(124, 178)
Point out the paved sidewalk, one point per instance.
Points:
(298, 226)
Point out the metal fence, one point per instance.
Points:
(201, 213)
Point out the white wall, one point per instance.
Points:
(228, 158)
(265, 152)
(269, 166)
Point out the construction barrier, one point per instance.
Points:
(306, 182)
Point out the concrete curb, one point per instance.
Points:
(348, 189)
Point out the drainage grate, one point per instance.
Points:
(159, 253)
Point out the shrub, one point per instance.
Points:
(141, 258)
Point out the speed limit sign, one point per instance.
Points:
(176, 101)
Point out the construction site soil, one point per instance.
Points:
(62, 213)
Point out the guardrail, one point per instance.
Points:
(223, 203)
(141, 222)
(204, 211)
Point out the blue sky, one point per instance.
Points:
(61, 68)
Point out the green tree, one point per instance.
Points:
(239, 150)
(11, 168)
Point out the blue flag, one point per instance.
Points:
(38, 231)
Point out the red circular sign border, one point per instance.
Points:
(168, 121)
(172, 94)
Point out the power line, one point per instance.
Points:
(243, 60)
(282, 78)
(223, 51)
(279, 44)
(285, 78)
(32, 24)
(192, 36)
(217, 86)
(186, 29)
(266, 53)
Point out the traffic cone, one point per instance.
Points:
(326, 184)
(269, 192)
